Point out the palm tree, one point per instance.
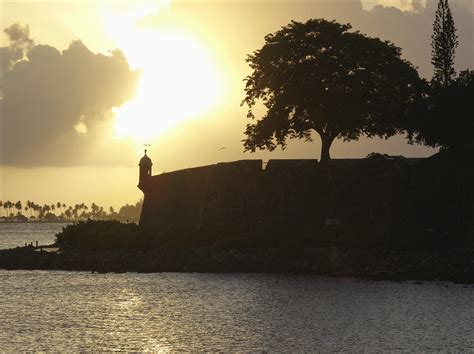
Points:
(75, 211)
(7, 205)
(102, 213)
(80, 213)
(18, 206)
(44, 210)
(28, 208)
(37, 209)
(94, 209)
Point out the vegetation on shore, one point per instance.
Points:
(60, 212)
(98, 235)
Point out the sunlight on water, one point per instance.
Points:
(64, 311)
(229, 312)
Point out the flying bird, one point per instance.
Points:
(222, 148)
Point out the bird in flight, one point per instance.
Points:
(222, 148)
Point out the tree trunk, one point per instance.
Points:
(326, 142)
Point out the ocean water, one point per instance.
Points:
(17, 234)
(75, 311)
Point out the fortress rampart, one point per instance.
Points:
(237, 196)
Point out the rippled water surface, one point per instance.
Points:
(17, 234)
(72, 311)
(169, 311)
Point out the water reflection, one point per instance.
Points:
(238, 312)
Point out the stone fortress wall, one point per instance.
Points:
(235, 196)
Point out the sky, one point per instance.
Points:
(103, 78)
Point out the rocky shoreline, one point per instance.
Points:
(456, 265)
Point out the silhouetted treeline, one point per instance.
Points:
(61, 212)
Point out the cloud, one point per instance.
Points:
(235, 29)
(20, 41)
(411, 30)
(56, 106)
(239, 27)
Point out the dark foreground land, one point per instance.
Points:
(398, 221)
(455, 265)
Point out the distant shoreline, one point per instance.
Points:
(36, 222)
(46, 222)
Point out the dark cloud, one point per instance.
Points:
(55, 105)
(20, 41)
(18, 33)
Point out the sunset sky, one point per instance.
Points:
(75, 116)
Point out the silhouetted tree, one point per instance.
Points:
(130, 212)
(28, 209)
(50, 217)
(319, 76)
(18, 206)
(37, 209)
(447, 120)
(8, 205)
(31, 209)
(444, 43)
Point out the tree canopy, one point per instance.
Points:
(444, 43)
(321, 76)
(447, 117)
(445, 114)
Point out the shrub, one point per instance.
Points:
(99, 235)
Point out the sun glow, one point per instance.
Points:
(179, 79)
